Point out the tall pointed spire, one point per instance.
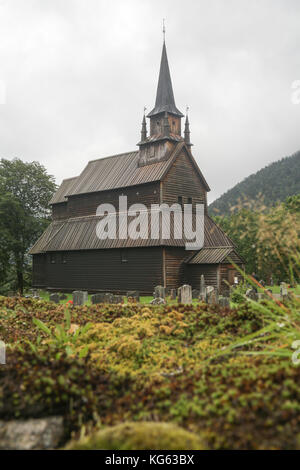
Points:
(164, 95)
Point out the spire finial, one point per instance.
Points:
(164, 29)
(144, 127)
(187, 128)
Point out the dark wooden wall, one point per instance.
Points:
(174, 267)
(193, 274)
(86, 204)
(60, 211)
(98, 270)
(182, 180)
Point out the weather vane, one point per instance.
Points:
(145, 109)
(187, 110)
(164, 29)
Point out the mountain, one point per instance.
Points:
(275, 183)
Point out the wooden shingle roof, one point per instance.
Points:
(118, 171)
(80, 234)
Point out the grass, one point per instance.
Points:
(45, 295)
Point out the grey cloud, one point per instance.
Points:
(78, 74)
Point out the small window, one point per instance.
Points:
(63, 258)
(190, 200)
(124, 256)
(180, 200)
(52, 258)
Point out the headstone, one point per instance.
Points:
(133, 294)
(224, 301)
(54, 298)
(252, 294)
(173, 294)
(159, 292)
(202, 288)
(80, 297)
(185, 294)
(108, 298)
(210, 295)
(195, 294)
(158, 301)
(283, 289)
(35, 294)
(118, 299)
(98, 298)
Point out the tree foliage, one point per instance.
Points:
(25, 191)
(268, 238)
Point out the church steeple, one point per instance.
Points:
(164, 96)
(165, 120)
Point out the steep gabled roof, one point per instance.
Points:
(164, 96)
(63, 190)
(119, 171)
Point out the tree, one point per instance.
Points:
(25, 190)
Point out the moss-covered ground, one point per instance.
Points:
(104, 365)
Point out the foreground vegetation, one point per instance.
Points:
(225, 376)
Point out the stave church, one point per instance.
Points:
(70, 256)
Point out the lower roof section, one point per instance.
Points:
(80, 233)
(215, 255)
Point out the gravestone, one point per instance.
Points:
(108, 298)
(158, 301)
(159, 292)
(185, 294)
(118, 299)
(133, 294)
(210, 295)
(98, 298)
(195, 294)
(80, 297)
(202, 288)
(224, 301)
(252, 294)
(173, 294)
(54, 298)
(283, 289)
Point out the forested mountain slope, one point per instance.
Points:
(275, 182)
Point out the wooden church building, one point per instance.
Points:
(70, 256)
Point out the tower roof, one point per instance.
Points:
(164, 95)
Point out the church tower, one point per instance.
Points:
(165, 120)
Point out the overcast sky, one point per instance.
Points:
(76, 74)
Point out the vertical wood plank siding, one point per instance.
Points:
(98, 270)
(174, 268)
(86, 204)
(193, 274)
(182, 180)
(60, 211)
